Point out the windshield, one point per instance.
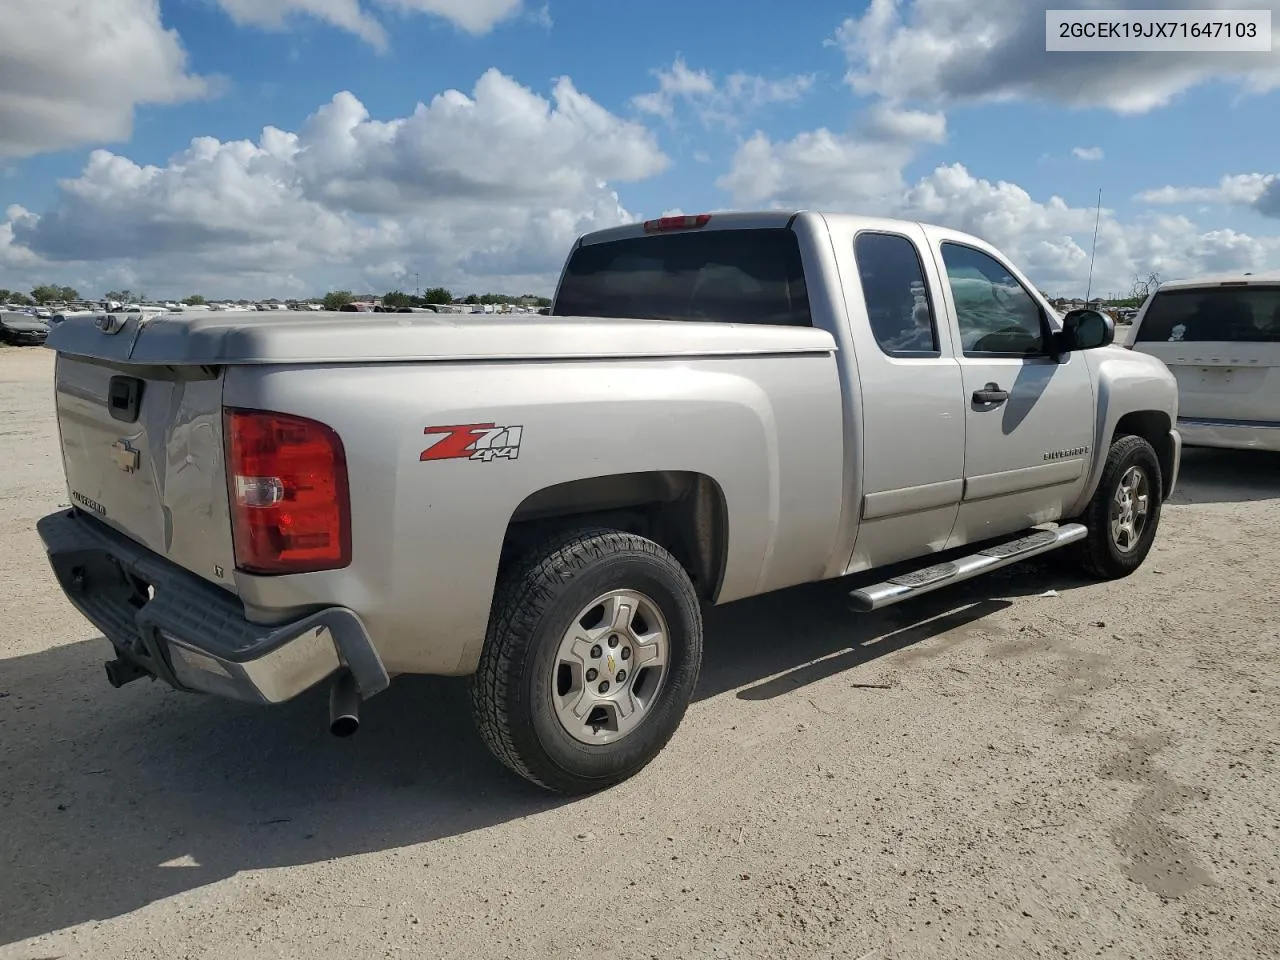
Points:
(729, 276)
(1222, 314)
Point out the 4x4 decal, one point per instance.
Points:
(473, 441)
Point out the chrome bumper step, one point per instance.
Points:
(1029, 544)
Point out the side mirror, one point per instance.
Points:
(1086, 330)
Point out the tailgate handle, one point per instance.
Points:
(124, 399)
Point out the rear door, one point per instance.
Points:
(912, 400)
(1029, 417)
(1222, 343)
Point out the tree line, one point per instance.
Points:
(45, 293)
(334, 300)
(337, 299)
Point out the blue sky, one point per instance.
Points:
(944, 110)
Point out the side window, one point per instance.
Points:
(896, 295)
(994, 311)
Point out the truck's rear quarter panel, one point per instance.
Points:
(427, 534)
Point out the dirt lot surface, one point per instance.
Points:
(988, 772)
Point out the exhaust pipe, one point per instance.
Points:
(121, 671)
(344, 705)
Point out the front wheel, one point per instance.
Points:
(592, 654)
(1125, 510)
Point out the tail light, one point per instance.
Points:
(663, 224)
(290, 505)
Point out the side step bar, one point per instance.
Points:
(939, 575)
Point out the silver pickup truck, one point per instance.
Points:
(716, 407)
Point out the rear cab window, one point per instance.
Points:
(1222, 314)
(896, 295)
(715, 276)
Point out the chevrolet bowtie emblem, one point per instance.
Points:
(125, 456)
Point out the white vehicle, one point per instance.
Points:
(1220, 336)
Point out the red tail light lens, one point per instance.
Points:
(663, 224)
(290, 504)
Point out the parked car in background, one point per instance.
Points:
(21, 329)
(1220, 336)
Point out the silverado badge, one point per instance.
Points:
(1066, 454)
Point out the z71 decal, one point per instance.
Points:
(473, 441)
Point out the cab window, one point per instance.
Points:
(995, 313)
(714, 276)
(896, 295)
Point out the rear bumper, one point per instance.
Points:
(1230, 434)
(194, 635)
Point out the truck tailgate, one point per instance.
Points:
(142, 450)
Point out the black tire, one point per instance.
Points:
(534, 604)
(1099, 554)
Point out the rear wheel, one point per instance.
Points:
(592, 654)
(1124, 513)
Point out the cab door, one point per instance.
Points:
(1029, 417)
(913, 415)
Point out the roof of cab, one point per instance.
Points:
(762, 220)
(741, 220)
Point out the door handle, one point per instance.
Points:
(991, 393)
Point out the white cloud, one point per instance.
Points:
(487, 189)
(1087, 153)
(814, 167)
(817, 166)
(279, 14)
(888, 123)
(948, 51)
(1258, 191)
(72, 73)
(14, 259)
(716, 103)
(472, 16)
(1048, 238)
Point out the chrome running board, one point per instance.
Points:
(928, 579)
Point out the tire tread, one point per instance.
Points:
(1093, 552)
(522, 597)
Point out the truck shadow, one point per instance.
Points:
(112, 800)
(1227, 476)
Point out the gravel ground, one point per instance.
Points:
(990, 771)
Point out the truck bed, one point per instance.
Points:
(756, 409)
(308, 337)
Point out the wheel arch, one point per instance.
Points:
(1155, 427)
(683, 511)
